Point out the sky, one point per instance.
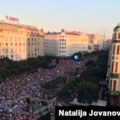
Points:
(89, 16)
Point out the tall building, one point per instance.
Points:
(65, 43)
(114, 67)
(20, 42)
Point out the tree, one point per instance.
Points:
(9, 67)
(90, 63)
(88, 92)
(64, 94)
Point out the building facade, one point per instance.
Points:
(20, 42)
(65, 43)
(114, 63)
(96, 42)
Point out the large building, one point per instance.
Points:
(20, 42)
(114, 66)
(65, 43)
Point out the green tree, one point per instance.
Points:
(87, 92)
(64, 94)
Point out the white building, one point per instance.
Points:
(19, 42)
(65, 43)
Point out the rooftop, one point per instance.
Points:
(4, 24)
(117, 27)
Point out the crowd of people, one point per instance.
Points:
(15, 90)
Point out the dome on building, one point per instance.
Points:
(117, 28)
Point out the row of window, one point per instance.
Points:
(33, 39)
(11, 44)
(116, 49)
(62, 43)
(31, 44)
(62, 40)
(11, 56)
(62, 51)
(16, 56)
(12, 38)
(5, 50)
(32, 55)
(10, 50)
(114, 67)
(62, 47)
(20, 38)
(116, 36)
(3, 56)
(18, 44)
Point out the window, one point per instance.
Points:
(116, 66)
(114, 35)
(110, 84)
(113, 49)
(119, 36)
(31, 39)
(6, 50)
(118, 49)
(114, 85)
(112, 68)
(11, 56)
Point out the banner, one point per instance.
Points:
(86, 113)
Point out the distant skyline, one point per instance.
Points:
(89, 16)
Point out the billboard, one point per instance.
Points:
(13, 19)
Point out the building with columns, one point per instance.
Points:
(20, 42)
(114, 67)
